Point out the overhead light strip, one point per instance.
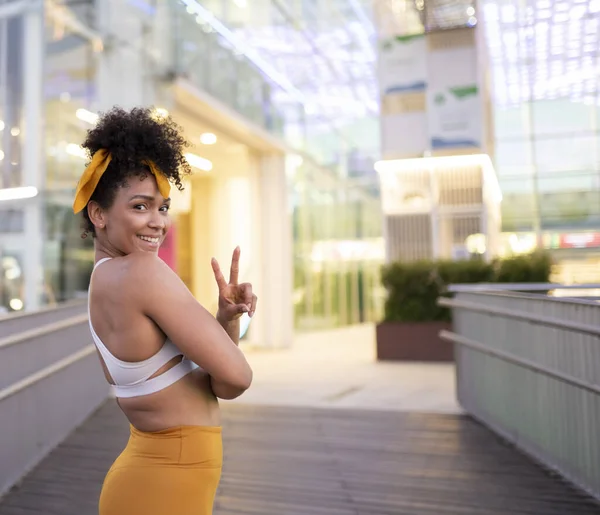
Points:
(20, 193)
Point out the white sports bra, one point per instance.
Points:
(132, 378)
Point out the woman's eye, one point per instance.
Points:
(139, 207)
(165, 208)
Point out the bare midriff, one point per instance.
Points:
(188, 402)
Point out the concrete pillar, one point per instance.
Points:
(273, 327)
(202, 229)
(32, 152)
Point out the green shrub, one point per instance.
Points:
(413, 288)
(530, 268)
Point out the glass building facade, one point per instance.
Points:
(338, 250)
(543, 59)
(69, 87)
(333, 196)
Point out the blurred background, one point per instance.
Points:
(412, 183)
(328, 137)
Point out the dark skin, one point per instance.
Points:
(137, 301)
(234, 299)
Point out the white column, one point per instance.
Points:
(33, 162)
(274, 319)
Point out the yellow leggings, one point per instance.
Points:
(171, 472)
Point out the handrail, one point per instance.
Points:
(43, 330)
(587, 301)
(520, 315)
(461, 340)
(46, 372)
(532, 287)
(521, 290)
(45, 309)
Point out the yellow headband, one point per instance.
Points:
(92, 174)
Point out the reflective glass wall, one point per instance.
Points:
(214, 64)
(544, 67)
(12, 218)
(69, 92)
(338, 251)
(68, 86)
(11, 100)
(305, 71)
(306, 74)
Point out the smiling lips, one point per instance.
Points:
(149, 239)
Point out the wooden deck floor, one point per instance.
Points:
(300, 461)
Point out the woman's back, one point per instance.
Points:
(133, 342)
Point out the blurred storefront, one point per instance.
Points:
(268, 176)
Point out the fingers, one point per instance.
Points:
(221, 283)
(249, 301)
(235, 266)
(245, 294)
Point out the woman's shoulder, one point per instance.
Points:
(143, 278)
(139, 268)
(144, 265)
(140, 259)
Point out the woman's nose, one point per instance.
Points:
(157, 221)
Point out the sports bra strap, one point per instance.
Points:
(100, 261)
(133, 379)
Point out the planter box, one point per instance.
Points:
(413, 341)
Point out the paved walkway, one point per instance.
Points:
(326, 430)
(311, 461)
(338, 369)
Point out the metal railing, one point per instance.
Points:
(528, 366)
(50, 382)
(14, 323)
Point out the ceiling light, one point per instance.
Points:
(241, 3)
(208, 138)
(15, 131)
(161, 112)
(18, 193)
(199, 162)
(87, 116)
(12, 273)
(16, 304)
(75, 150)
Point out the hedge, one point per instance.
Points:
(413, 288)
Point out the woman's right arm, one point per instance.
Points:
(165, 299)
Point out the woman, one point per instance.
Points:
(167, 358)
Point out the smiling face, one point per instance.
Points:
(138, 219)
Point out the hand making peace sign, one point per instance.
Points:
(234, 299)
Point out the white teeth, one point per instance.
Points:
(147, 238)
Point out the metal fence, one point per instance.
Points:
(19, 322)
(50, 382)
(528, 366)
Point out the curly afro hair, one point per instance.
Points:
(132, 137)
